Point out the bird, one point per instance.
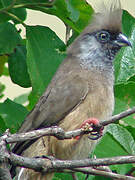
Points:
(80, 92)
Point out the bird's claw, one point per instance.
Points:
(93, 127)
(94, 136)
(45, 157)
(87, 127)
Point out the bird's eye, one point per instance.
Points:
(103, 36)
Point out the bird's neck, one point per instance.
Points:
(92, 56)
(97, 60)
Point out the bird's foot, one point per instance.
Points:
(92, 126)
(45, 157)
(74, 177)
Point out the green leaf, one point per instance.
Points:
(131, 130)
(18, 67)
(45, 52)
(4, 4)
(5, 71)
(128, 23)
(2, 88)
(125, 60)
(101, 178)
(9, 38)
(123, 137)
(13, 114)
(19, 12)
(80, 13)
(124, 99)
(75, 13)
(22, 98)
(3, 126)
(109, 147)
(3, 60)
(32, 98)
(81, 176)
(60, 176)
(122, 168)
(67, 176)
(35, 2)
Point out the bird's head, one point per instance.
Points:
(109, 41)
(102, 39)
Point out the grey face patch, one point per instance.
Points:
(93, 53)
(110, 53)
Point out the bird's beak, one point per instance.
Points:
(122, 40)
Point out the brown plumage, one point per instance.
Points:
(81, 88)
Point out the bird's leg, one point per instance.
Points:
(46, 157)
(87, 176)
(74, 177)
(93, 127)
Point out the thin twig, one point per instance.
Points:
(93, 171)
(119, 116)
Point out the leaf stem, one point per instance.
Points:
(15, 17)
(9, 7)
(33, 4)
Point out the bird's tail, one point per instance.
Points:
(26, 174)
(39, 148)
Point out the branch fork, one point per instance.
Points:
(49, 164)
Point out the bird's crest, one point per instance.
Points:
(109, 17)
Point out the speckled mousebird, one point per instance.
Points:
(81, 89)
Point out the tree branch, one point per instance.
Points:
(119, 116)
(60, 133)
(50, 164)
(51, 131)
(93, 171)
(4, 171)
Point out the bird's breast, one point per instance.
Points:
(99, 103)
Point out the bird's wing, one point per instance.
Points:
(54, 105)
